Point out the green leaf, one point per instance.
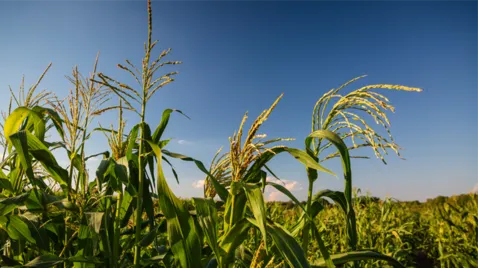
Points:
(287, 246)
(8, 261)
(342, 258)
(284, 190)
(16, 228)
(41, 153)
(6, 209)
(158, 133)
(34, 122)
(220, 189)
(133, 135)
(335, 139)
(149, 237)
(19, 141)
(182, 235)
(65, 204)
(35, 202)
(83, 259)
(257, 205)
(121, 172)
(337, 196)
(149, 158)
(322, 248)
(44, 261)
(125, 211)
(234, 238)
(146, 262)
(315, 208)
(6, 184)
(17, 200)
(172, 168)
(339, 143)
(235, 206)
(301, 156)
(207, 218)
(55, 118)
(307, 160)
(101, 170)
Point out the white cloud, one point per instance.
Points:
(475, 189)
(275, 195)
(184, 142)
(199, 184)
(288, 184)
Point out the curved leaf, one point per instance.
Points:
(16, 228)
(286, 244)
(41, 153)
(301, 156)
(44, 261)
(234, 238)
(337, 196)
(55, 118)
(343, 258)
(258, 207)
(344, 153)
(17, 118)
(285, 191)
(182, 235)
(220, 189)
(158, 133)
(339, 143)
(207, 218)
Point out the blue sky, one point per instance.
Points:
(239, 56)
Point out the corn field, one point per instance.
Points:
(127, 215)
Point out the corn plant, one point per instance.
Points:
(128, 215)
(32, 204)
(344, 120)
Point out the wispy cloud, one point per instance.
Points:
(199, 184)
(272, 194)
(275, 196)
(185, 142)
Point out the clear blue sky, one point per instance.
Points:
(239, 56)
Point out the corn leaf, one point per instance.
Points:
(257, 205)
(220, 189)
(287, 246)
(158, 133)
(182, 235)
(207, 218)
(342, 258)
(18, 117)
(41, 153)
(6, 184)
(344, 153)
(337, 196)
(16, 228)
(301, 156)
(234, 238)
(55, 118)
(44, 261)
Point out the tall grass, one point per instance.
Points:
(128, 216)
(148, 85)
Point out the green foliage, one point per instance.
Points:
(128, 215)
